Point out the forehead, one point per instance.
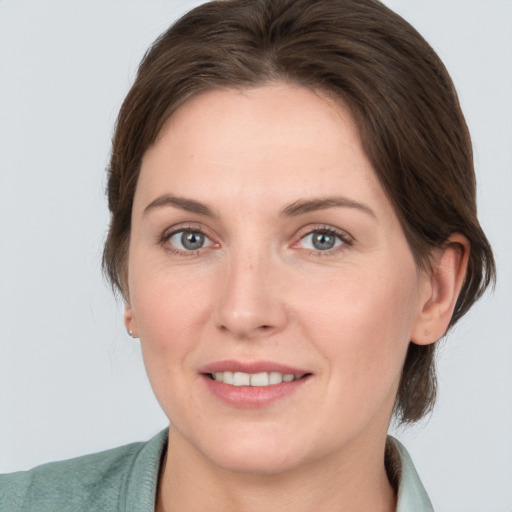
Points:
(265, 141)
(265, 113)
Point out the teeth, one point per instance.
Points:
(254, 379)
(241, 379)
(275, 378)
(259, 379)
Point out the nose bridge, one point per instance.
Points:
(250, 301)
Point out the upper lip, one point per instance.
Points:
(251, 367)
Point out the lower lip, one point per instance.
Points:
(252, 397)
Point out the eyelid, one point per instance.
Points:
(168, 233)
(346, 239)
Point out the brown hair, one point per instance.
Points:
(366, 56)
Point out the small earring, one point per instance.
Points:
(130, 333)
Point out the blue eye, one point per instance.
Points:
(321, 240)
(189, 240)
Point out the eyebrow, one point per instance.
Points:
(189, 205)
(303, 206)
(299, 207)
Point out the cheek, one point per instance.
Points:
(362, 328)
(170, 310)
(168, 305)
(361, 302)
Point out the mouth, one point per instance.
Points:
(252, 385)
(260, 379)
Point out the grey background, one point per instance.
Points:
(71, 381)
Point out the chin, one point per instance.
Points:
(254, 455)
(255, 463)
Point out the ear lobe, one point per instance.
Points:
(129, 321)
(442, 288)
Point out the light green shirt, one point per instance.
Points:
(125, 479)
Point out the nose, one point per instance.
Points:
(251, 301)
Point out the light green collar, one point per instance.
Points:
(412, 496)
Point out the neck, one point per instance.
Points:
(354, 480)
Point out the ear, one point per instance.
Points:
(440, 290)
(129, 321)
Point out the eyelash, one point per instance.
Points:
(345, 238)
(167, 235)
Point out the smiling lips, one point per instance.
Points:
(261, 379)
(252, 385)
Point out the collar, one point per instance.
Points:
(412, 496)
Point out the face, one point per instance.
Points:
(270, 282)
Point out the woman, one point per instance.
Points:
(293, 228)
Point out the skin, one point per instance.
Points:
(258, 289)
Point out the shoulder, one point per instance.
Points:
(101, 481)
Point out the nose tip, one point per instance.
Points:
(244, 326)
(247, 317)
(250, 303)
